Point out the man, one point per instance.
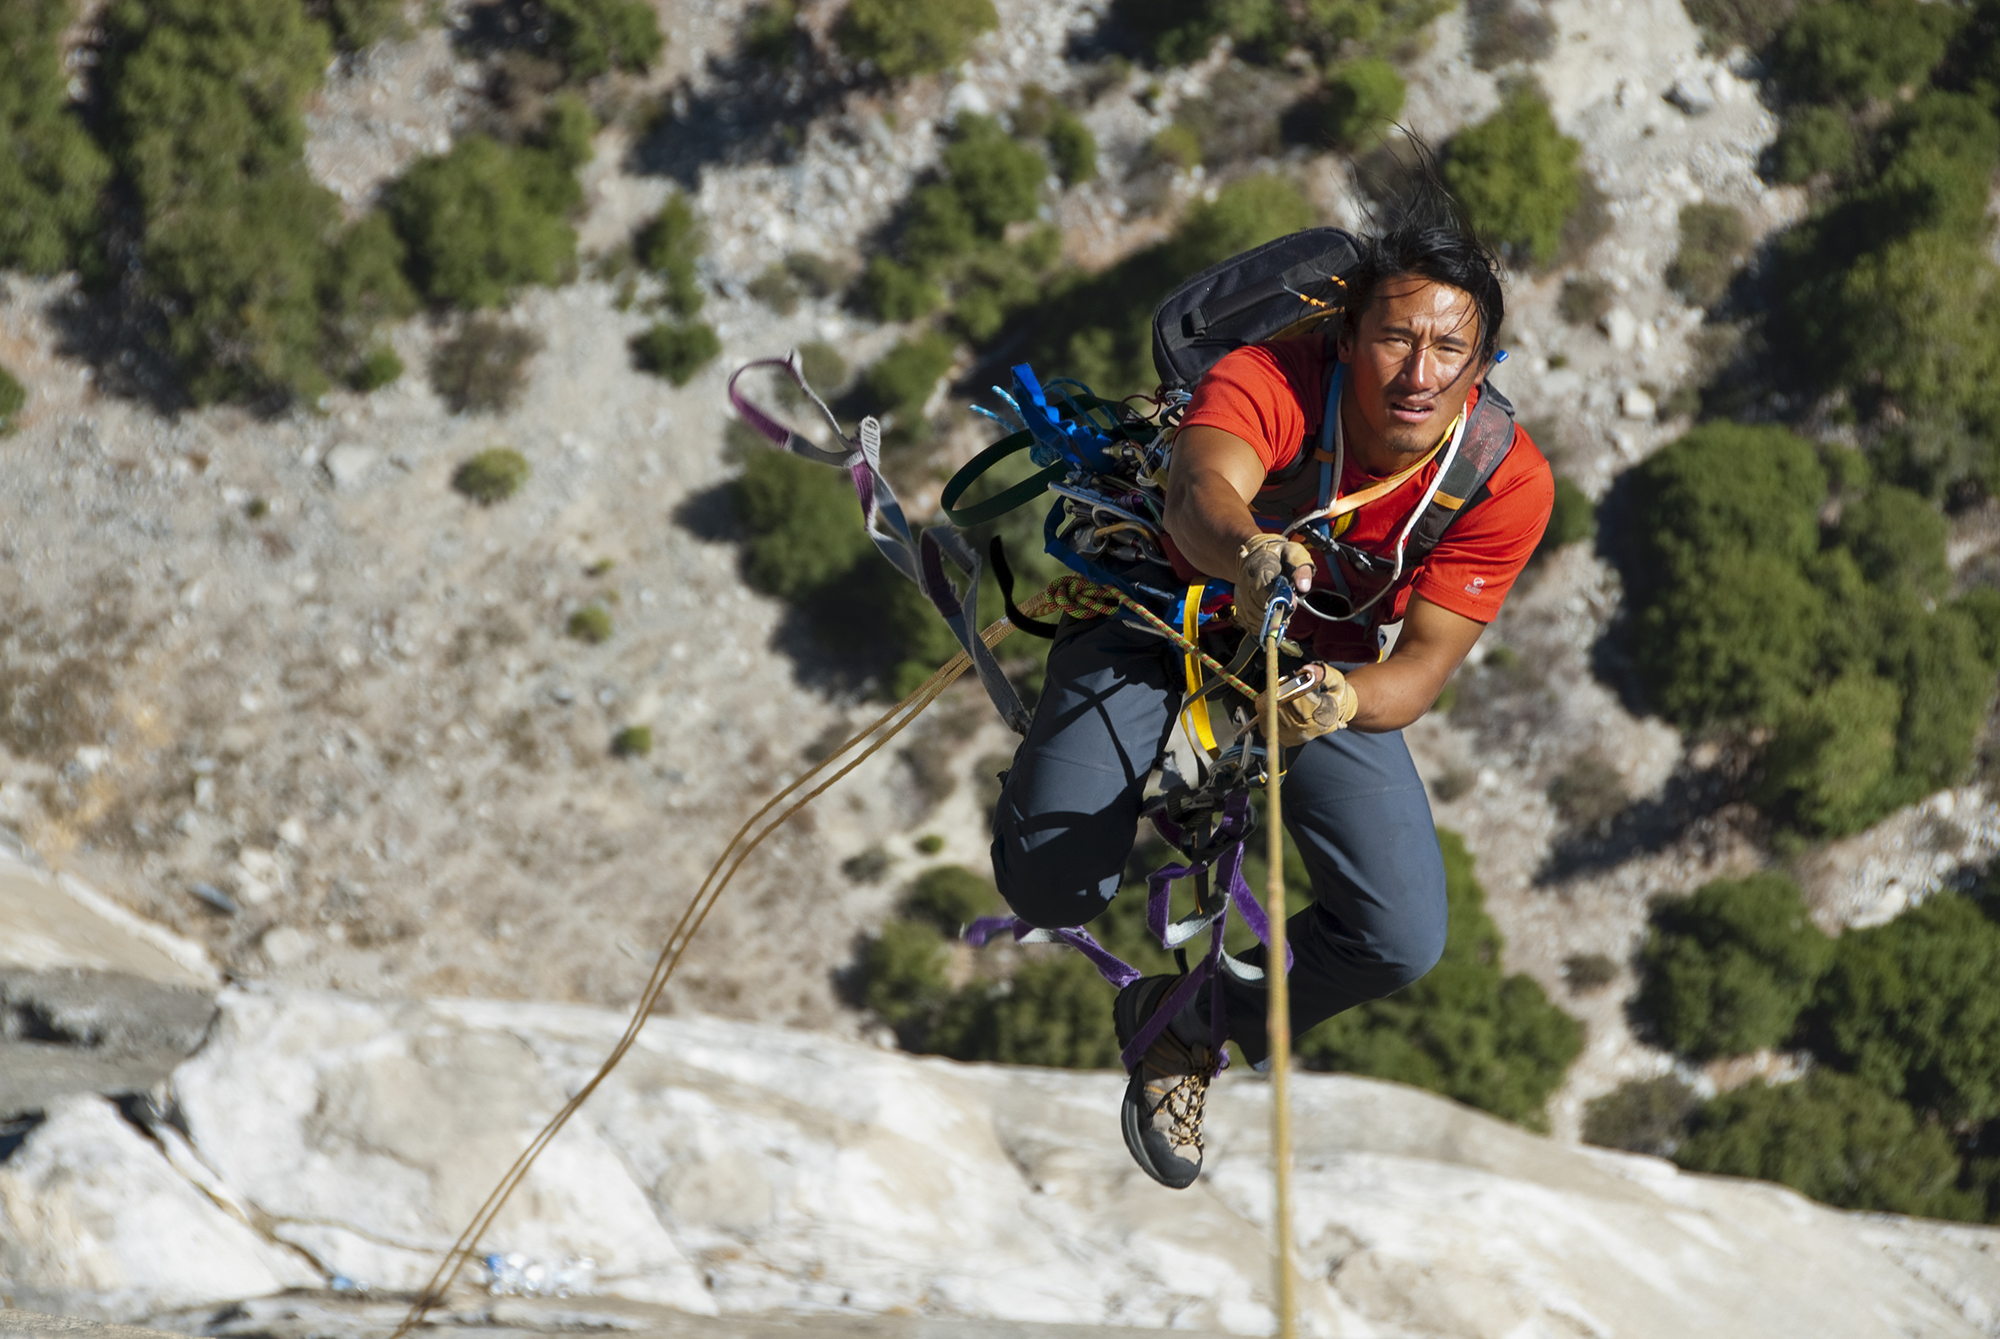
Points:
(1411, 352)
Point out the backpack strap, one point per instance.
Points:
(1488, 439)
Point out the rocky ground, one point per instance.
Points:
(277, 687)
(304, 1169)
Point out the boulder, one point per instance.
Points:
(94, 1221)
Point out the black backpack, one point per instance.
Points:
(1261, 294)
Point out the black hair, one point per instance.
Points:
(1420, 229)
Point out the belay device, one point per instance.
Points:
(1106, 463)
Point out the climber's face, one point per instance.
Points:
(1412, 359)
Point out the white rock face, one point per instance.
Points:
(736, 1167)
(95, 1221)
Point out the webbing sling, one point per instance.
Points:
(921, 558)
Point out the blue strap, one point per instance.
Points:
(1326, 426)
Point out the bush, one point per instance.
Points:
(592, 37)
(776, 289)
(1586, 972)
(482, 367)
(949, 897)
(1516, 176)
(590, 624)
(1506, 31)
(1728, 970)
(634, 741)
(492, 476)
(1897, 539)
(1572, 520)
(1175, 145)
(487, 218)
(1714, 240)
(1467, 1030)
(380, 366)
(1911, 1008)
(1072, 148)
(676, 350)
(1811, 141)
(669, 246)
(804, 524)
(771, 33)
(1744, 23)
(244, 256)
(1641, 1116)
(1052, 1011)
(903, 976)
(360, 24)
(1834, 1138)
(1586, 299)
(13, 398)
(892, 292)
(1588, 794)
(1363, 98)
(51, 171)
(1852, 51)
(911, 37)
(900, 382)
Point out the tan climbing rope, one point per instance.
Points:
(1279, 1025)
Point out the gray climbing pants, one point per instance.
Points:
(1069, 812)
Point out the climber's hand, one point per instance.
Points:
(1308, 713)
(1259, 564)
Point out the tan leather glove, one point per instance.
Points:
(1319, 710)
(1259, 564)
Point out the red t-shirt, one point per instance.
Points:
(1273, 396)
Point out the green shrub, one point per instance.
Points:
(929, 844)
(487, 218)
(1586, 972)
(676, 350)
(1052, 1011)
(13, 399)
(494, 475)
(1588, 794)
(1830, 764)
(360, 24)
(776, 289)
(634, 741)
(1572, 520)
(1744, 23)
(1851, 51)
(1641, 1116)
(820, 277)
(900, 381)
(771, 33)
(1072, 148)
(1516, 176)
(911, 37)
(1714, 240)
(1363, 98)
(378, 367)
(1727, 970)
(1834, 1138)
(949, 897)
(803, 521)
(669, 246)
(1586, 299)
(893, 292)
(1507, 31)
(591, 624)
(1911, 1009)
(903, 971)
(482, 368)
(51, 171)
(1467, 1030)
(1813, 140)
(1175, 145)
(1897, 539)
(1174, 32)
(242, 253)
(592, 37)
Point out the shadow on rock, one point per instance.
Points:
(118, 335)
(748, 114)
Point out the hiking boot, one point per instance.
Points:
(1161, 1114)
